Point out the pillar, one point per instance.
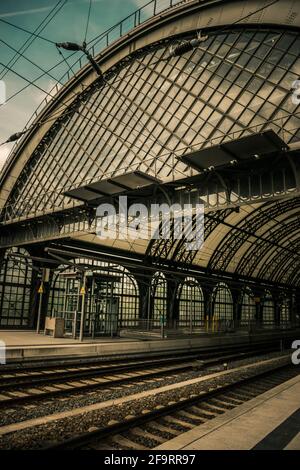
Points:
(208, 305)
(38, 281)
(258, 297)
(277, 305)
(172, 314)
(237, 306)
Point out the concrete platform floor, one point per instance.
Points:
(268, 422)
(20, 338)
(27, 345)
(31, 338)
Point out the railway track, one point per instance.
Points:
(22, 387)
(153, 427)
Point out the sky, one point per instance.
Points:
(68, 24)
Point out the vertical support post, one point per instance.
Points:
(82, 307)
(191, 315)
(43, 299)
(40, 291)
(111, 308)
(74, 324)
(173, 166)
(106, 318)
(149, 307)
(207, 323)
(162, 325)
(65, 298)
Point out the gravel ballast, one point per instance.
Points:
(73, 400)
(59, 430)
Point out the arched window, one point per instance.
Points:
(222, 303)
(191, 304)
(57, 292)
(159, 296)
(248, 307)
(128, 292)
(268, 310)
(64, 291)
(15, 288)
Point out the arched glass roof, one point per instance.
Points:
(152, 108)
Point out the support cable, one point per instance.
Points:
(138, 70)
(25, 46)
(20, 28)
(88, 21)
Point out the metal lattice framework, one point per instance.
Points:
(272, 262)
(174, 250)
(144, 115)
(256, 256)
(252, 223)
(284, 266)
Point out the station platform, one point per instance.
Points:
(29, 346)
(270, 421)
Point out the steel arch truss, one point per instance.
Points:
(251, 261)
(175, 250)
(234, 240)
(286, 265)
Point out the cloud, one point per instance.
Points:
(4, 152)
(15, 114)
(25, 12)
(41, 9)
(39, 95)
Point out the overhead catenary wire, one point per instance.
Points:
(27, 80)
(177, 150)
(32, 82)
(147, 65)
(103, 34)
(88, 21)
(52, 68)
(17, 135)
(29, 41)
(66, 62)
(21, 54)
(20, 28)
(46, 72)
(116, 81)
